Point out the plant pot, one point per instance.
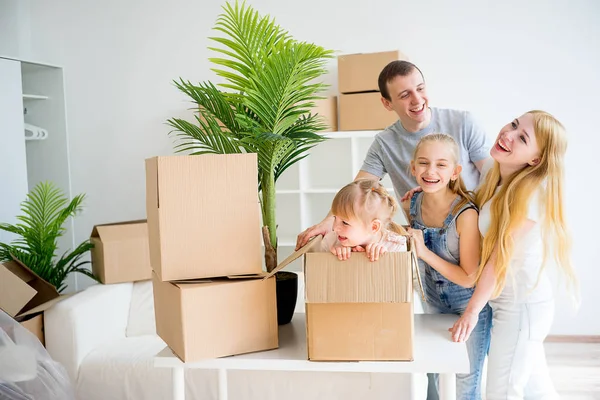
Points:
(287, 294)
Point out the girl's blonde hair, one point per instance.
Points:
(366, 200)
(456, 186)
(509, 207)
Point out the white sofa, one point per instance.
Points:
(105, 337)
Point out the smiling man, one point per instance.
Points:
(403, 90)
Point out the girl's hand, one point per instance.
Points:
(374, 250)
(342, 252)
(417, 235)
(464, 326)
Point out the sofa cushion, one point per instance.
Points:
(141, 310)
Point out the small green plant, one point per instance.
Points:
(45, 211)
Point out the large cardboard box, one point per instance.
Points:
(121, 252)
(357, 310)
(360, 72)
(203, 216)
(328, 109)
(220, 317)
(364, 111)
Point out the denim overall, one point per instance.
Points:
(445, 297)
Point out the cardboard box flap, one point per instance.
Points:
(120, 230)
(15, 293)
(415, 264)
(45, 290)
(45, 306)
(308, 247)
(180, 282)
(357, 280)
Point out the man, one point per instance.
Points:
(403, 91)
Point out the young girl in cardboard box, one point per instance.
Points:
(363, 221)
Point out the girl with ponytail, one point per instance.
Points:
(443, 220)
(363, 221)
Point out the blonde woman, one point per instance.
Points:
(522, 223)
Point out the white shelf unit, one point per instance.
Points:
(36, 97)
(306, 189)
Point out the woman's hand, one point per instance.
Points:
(464, 326)
(374, 250)
(419, 241)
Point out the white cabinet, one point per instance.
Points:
(32, 96)
(306, 189)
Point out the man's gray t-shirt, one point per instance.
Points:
(392, 150)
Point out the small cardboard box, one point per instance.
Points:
(121, 252)
(357, 310)
(24, 294)
(220, 317)
(328, 109)
(203, 216)
(22, 290)
(360, 72)
(364, 111)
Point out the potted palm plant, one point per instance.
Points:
(45, 211)
(262, 107)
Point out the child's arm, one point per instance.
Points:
(468, 231)
(483, 291)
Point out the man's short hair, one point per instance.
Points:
(392, 70)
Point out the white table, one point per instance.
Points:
(434, 352)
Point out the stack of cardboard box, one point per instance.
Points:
(211, 297)
(360, 105)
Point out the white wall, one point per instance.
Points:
(14, 28)
(496, 59)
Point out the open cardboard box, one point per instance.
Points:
(203, 216)
(24, 296)
(356, 309)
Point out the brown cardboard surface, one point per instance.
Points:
(35, 325)
(121, 252)
(203, 216)
(328, 109)
(364, 111)
(218, 318)
(360, 72)
(357, 280)
(356, 332)
(13, 292)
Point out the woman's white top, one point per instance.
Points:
(522, 285)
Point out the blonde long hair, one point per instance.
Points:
(510, 206)
(366, 200)
(457, 186)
